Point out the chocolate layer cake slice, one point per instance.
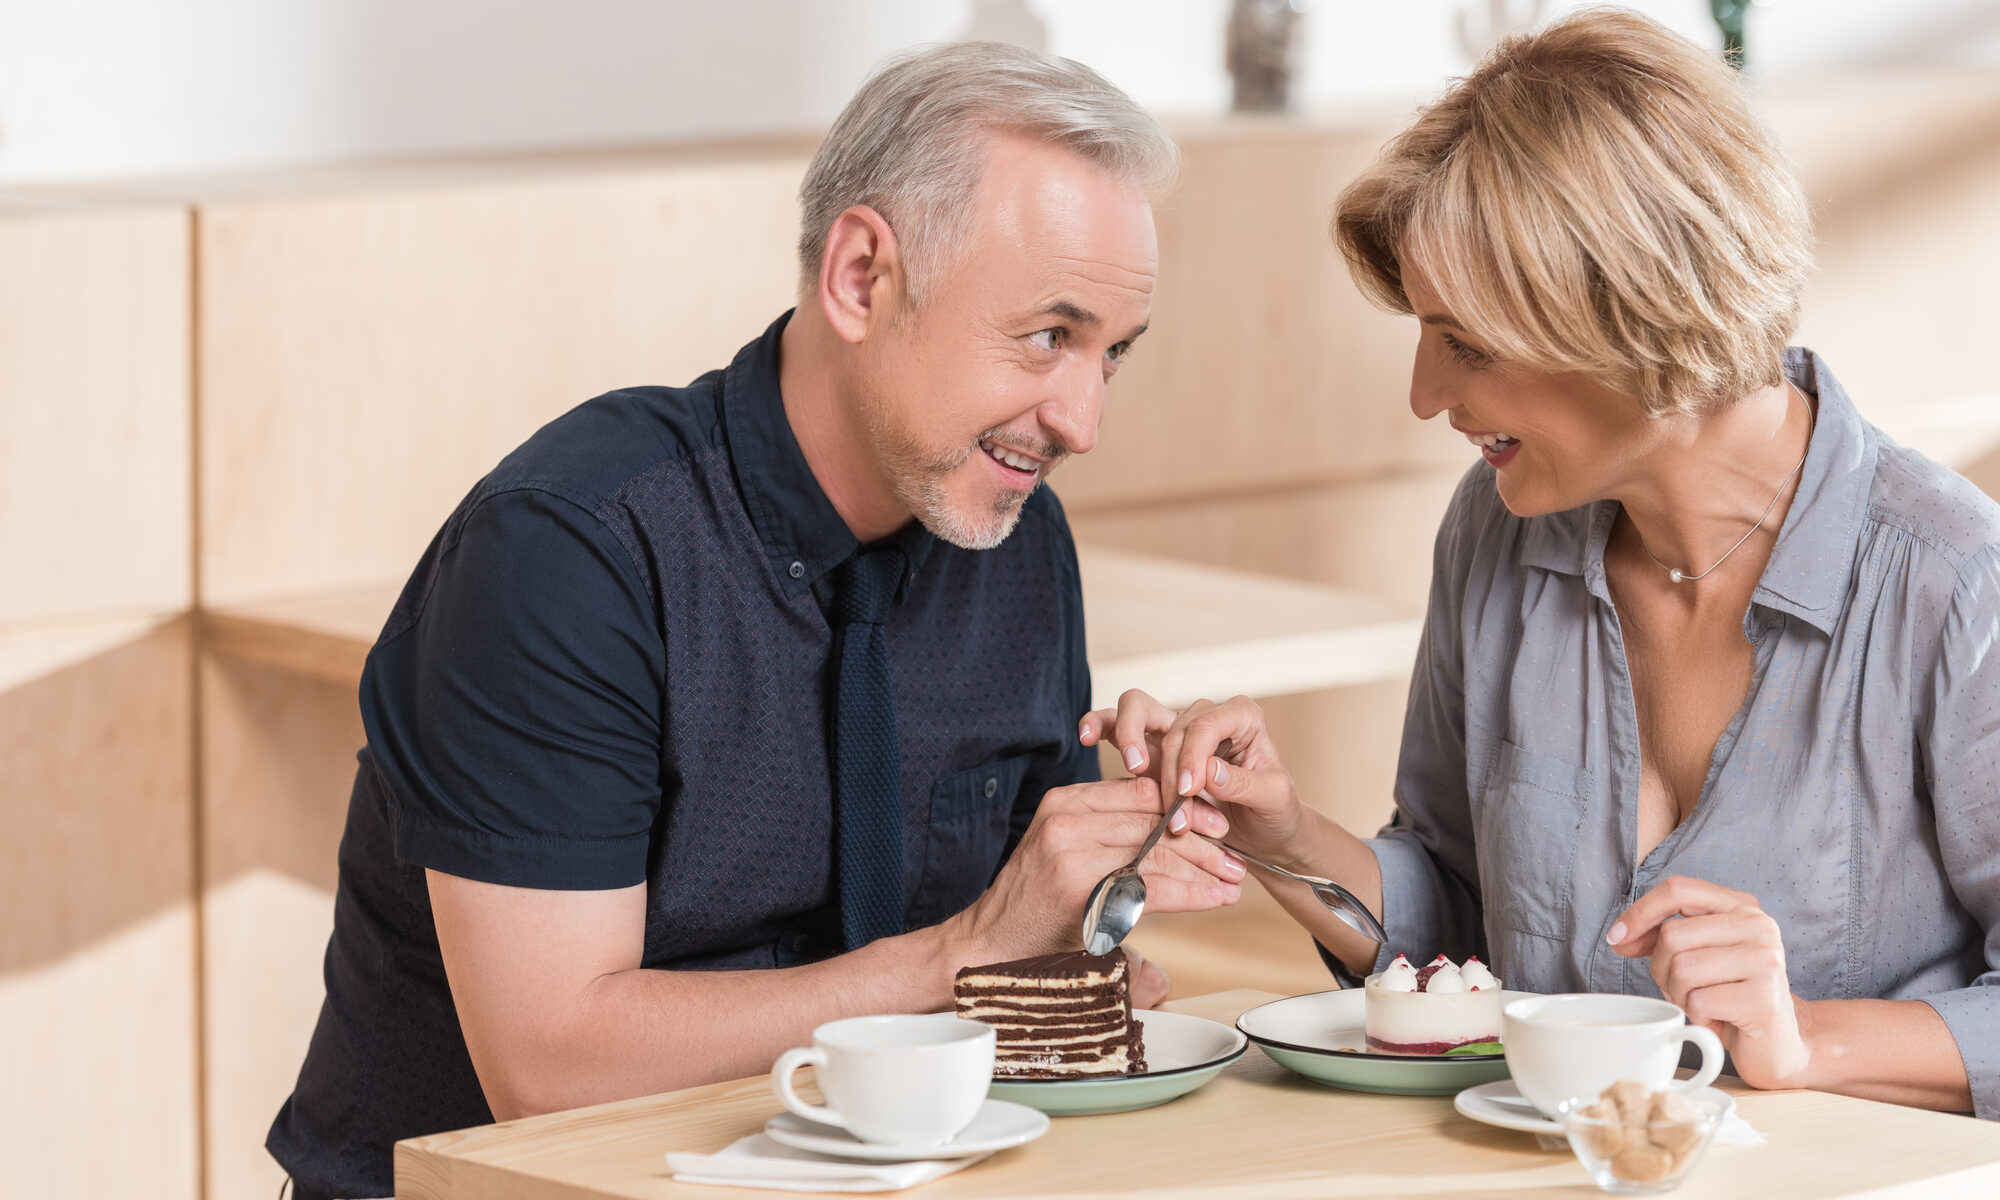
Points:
(1057, 1015)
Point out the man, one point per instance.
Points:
(718, 712)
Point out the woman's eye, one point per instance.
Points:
(1464, 353)
(1049, 340)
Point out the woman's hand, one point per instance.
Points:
(1723, 962)
(1222, 751)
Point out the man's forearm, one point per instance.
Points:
(639, 1032)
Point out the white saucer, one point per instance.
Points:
(998, 1125)
(1500, 1103)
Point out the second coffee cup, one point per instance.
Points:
(1559, 1047)
(907, 1080)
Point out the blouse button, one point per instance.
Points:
(992, 787)
(797, 570)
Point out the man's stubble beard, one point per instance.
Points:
(916, 480)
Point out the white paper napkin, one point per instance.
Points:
(757, 1161)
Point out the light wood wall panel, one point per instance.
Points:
(1908, 286)
(1262, 366)
(94, 421)
(97, 922)
(366, 355)
(278, 762)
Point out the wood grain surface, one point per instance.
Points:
(1257, 1132)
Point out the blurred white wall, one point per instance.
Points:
(105, 88)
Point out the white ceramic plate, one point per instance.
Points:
(1501, 1103)
(1321, 1037)
(1182, 1053)
(998, 1125)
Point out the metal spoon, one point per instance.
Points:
(1120, 897)
(1342, 903)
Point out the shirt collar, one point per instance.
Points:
(789, 510)
(1812, 565)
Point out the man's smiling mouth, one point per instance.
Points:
(1013, 460)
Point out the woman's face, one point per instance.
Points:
(1568, 440)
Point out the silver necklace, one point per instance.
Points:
(1679, 576)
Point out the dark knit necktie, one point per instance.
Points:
(867, 774)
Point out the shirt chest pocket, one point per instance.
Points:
(968, 835)
(1527, 823)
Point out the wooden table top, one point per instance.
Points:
(1257, 1132)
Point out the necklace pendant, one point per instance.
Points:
(1674, 573)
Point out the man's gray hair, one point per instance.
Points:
(912, 144)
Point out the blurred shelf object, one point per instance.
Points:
(1179, 630)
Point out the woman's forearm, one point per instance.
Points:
(1324, 847)
(1900, 1051)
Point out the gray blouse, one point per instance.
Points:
(1856, 794)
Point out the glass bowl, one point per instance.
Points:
(1641, 1157)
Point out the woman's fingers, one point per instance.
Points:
(1637, 928)
(1210, 733)
(1266, 792)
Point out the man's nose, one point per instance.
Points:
(1072, 418)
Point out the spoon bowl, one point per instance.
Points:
(1116, 904)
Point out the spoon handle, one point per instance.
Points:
(1153, 839)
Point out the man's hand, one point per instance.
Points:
(1723, 962)
(1081, 834)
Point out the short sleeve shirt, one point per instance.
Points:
(611, 667)
(1856, 793)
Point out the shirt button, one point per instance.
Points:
(992, 787)
(797, 570)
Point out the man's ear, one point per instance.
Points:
(860, 274)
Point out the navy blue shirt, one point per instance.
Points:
(611, 667)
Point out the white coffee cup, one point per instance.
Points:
(907, 1080)
(1576, 1045)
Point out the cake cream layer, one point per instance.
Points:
(1118, 1062)
(1393, 1018)
(1055, 1015)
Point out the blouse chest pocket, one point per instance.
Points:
(1527, 823)
(970, 812)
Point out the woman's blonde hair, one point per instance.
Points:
(1597, 197)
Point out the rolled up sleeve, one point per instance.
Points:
(1963, 758)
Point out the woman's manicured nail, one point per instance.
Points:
(1221, 774)
(1617, 934)
(1187, 782)
(1178, 821)
(1134, 758)
(1233, 865)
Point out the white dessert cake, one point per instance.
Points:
(1431, 1011)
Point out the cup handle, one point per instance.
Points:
(1711, 1059)
(791, 1060)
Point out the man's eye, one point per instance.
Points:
(1046, 339)
(1118, 352)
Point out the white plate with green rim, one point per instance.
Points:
(1320, 1036)
(1182, 1054)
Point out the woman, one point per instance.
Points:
(1708, 698)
